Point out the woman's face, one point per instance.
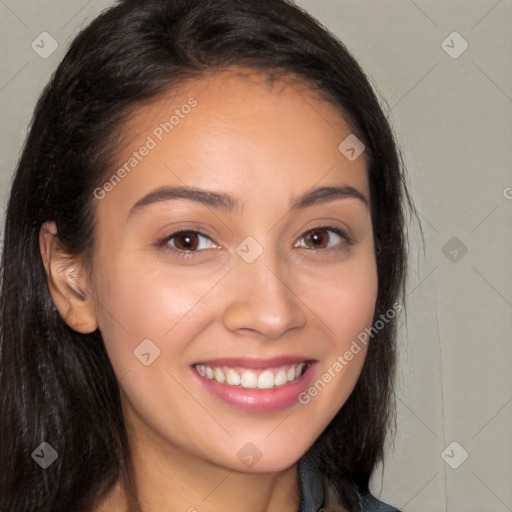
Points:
(255, 284)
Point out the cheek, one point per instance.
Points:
(346, 300)
(138, 303)
(352, 310)
(346, 308)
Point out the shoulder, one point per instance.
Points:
(369, 503)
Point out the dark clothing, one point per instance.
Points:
(317, 493)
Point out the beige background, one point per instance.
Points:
(452, 117)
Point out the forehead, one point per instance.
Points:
(247, 129)
(236, 97)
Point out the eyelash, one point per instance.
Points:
(163, 243)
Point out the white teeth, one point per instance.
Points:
(267, 379)
(219, 375)
(281, 379)
(233, 378)
(249, 379)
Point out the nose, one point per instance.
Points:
(261, 298)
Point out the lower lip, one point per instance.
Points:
(259, 400)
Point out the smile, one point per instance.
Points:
(264, 378)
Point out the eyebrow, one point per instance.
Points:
(224, 201)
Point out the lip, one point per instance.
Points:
(258, 400)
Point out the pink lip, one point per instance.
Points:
(258, 400)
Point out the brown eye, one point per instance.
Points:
(186, 243)
(326, 238)
(186, 240)
(317, 237)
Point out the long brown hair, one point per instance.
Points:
(58, 385)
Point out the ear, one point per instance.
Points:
(66, 280)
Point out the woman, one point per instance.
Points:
(172, 337)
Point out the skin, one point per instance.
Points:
(263, 143)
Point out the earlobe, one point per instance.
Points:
(66, 282)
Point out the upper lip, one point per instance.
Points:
(256, 362)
